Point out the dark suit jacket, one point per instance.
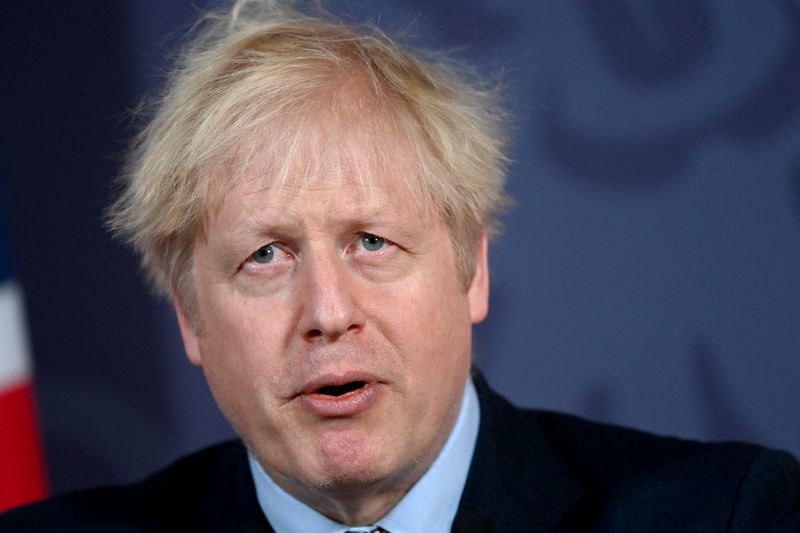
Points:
(532, 471)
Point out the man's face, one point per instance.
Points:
(334, 329)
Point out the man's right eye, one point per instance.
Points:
(265, 254)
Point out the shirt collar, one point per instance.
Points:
(430, 505)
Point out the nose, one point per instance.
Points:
(327, 296)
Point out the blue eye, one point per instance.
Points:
(372, 242)
(265, 254)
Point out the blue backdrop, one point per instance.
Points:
(648, 274)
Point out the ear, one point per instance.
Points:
(190, 343)
(478, 293)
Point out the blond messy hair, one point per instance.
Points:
(265, 70)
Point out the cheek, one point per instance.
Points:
(443, 305)
(241, 351)
(429, 321)
(239, 326)
(438, 361)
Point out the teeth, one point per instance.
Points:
(339, 390)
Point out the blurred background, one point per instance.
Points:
(648, 274)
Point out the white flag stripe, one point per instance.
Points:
(15, 364)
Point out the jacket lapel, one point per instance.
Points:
(517, 482)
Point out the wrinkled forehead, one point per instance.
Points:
(335, 147)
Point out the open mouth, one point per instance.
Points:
(333, 396)
(341, 390)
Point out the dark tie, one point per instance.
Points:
(376, 530)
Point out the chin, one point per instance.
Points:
(346, 464)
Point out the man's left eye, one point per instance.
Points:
(372, 242)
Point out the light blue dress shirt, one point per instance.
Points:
(429, 506)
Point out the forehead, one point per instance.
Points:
(351, 179)
(347, 153)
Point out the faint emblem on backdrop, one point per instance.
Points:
(665, 47)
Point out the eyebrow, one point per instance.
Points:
(363, 219)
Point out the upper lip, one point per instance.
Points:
(335, 380)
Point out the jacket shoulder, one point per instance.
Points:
(602, 452)
(178, 495)
(681, 484)
(561, 472)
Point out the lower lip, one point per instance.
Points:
(350, 404)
